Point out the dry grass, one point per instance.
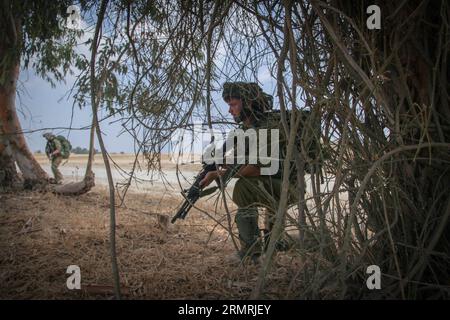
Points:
(41, 234)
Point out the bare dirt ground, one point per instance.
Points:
(41, 234)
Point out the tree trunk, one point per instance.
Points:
(424, 199)
(77, 188)
(81, 187)
(8, 172)
(13, 141)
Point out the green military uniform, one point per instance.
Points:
(54, 144)
(262, 191)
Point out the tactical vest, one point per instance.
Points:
(307, 135)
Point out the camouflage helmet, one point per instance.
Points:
(251, 93)
(48, 135)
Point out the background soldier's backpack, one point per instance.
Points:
(66, 147)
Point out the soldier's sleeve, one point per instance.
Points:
(277, 142)
(265, 148)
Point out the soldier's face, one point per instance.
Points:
(235, 107)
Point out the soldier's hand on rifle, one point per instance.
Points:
(210, 177)
(249, 171)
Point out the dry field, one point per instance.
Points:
(41, 234)
(144, 180)
(124, 160)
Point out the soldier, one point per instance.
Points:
(56, 153)
(247, 104)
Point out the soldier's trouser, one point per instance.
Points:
(250, 193)
(56, 161)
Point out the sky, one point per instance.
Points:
(41, 107)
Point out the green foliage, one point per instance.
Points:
(139, 71)
(79, 150)
(32, 35)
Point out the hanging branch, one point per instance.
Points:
(95, 89)
(292, 132)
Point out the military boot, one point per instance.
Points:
(282, 244)
(247, 223)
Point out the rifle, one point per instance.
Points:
(192, 194)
